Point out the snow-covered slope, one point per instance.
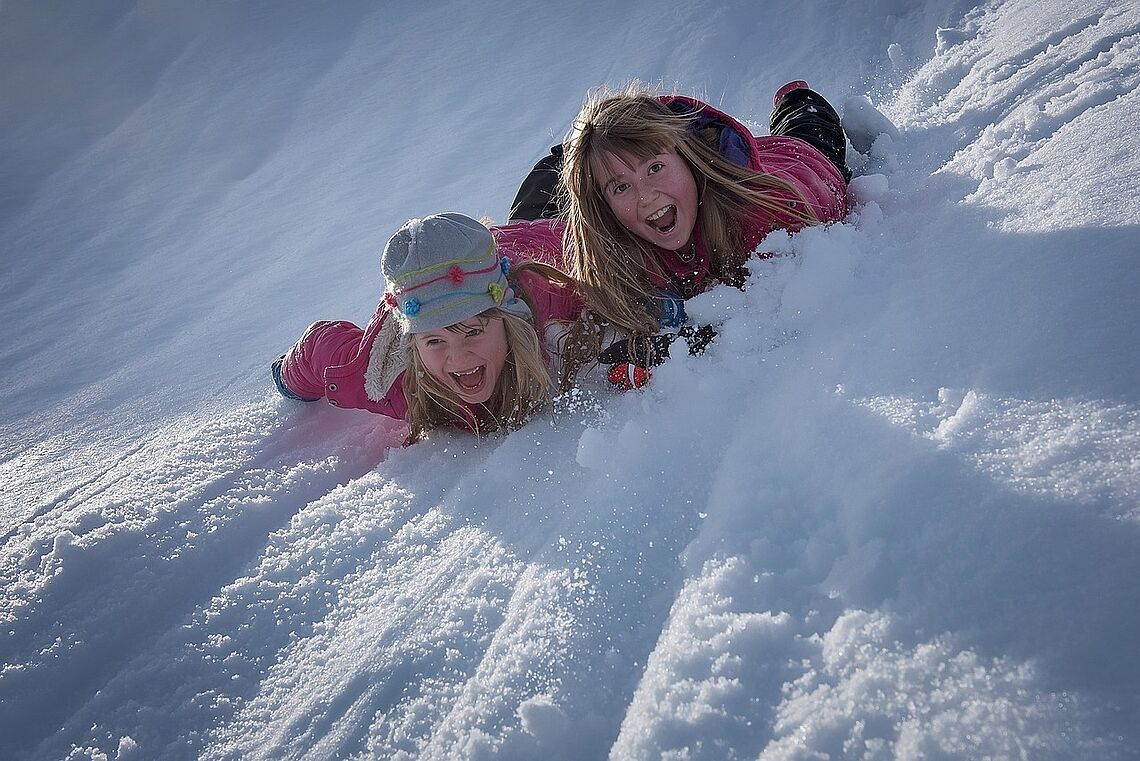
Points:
(891, 513)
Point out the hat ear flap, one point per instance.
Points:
(386, 359)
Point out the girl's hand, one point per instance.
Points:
(650, 351)
(645, 351)
(631, 358)
(626, 376)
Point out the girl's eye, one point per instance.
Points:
(474, 333)
(656, 167)
(619, 188)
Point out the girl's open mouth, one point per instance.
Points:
(664, 219)
(470, 380)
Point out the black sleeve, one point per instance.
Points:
(536, 198)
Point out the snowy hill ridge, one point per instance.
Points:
(891, 513)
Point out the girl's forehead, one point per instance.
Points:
(473, 323)
(614, 162)
(463, 325)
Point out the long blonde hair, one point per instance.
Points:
(524, 385)
(612, 264)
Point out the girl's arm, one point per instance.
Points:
(539, 241)
(324, 344)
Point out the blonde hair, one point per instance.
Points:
(524, 385)
(612, 264)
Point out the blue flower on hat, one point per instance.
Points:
(411, 308)
(505, 265)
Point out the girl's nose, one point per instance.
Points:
(458, 356)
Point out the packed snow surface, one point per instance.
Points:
(893, 511)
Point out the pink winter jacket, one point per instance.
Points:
(793, 160)
(353, 368)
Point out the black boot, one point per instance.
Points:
(802, 112)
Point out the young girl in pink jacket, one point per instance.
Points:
(665, 195)
(462, 336)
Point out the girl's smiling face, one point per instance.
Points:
(654, 198)
(466, 357)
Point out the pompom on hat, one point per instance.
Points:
(443, 269)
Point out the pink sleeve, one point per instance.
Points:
(324, 344)
(539, 241)
(807, 170)
(551, 302)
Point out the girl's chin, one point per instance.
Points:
(479, 398)
(673, 245)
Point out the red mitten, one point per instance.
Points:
(626, 376)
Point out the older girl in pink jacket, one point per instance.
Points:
(665, 195)
(466, 333)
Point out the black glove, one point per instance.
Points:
(698, 338)
(650, 351)
(643, 351)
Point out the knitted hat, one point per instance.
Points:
(443, 269)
